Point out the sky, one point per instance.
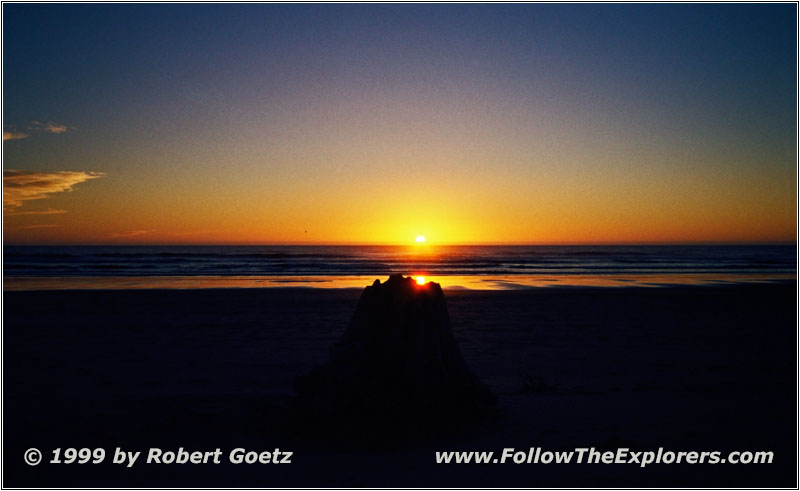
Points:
(371, 124)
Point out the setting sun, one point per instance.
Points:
(420, 238)
(420, 280)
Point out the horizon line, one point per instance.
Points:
(429, 244)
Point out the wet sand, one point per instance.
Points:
(700, 368)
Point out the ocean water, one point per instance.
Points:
(34, 267)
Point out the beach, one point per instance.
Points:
(686, 368)
(400, 245)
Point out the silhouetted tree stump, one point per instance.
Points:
(397, 360)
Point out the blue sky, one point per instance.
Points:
(190, 105)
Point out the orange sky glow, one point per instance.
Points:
(489, 130)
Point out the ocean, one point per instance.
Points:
(475, 267)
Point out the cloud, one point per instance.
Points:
(13, 135)
(29, 227)
(49, 127)
(130, 233)
(36, 126)
(193, 233)
(22, 185)
(49, 211)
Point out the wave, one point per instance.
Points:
(381, 260)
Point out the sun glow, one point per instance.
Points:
(420, 239)
(420, 280)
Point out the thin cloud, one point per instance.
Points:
(49, 127)
(36, 126)
(22, 185)
(192, 233)
(13, 135)
(29, 227)
(130, 233)
(49, 211)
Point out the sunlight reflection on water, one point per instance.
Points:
(472, 282)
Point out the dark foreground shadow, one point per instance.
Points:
(683, 368)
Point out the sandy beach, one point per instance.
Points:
(703, 368)
(400, 245)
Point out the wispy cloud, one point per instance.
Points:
(49, 127)
(49, 211)
(13, 135)
(29, 227)
(130, 233)
(193, 233)
(22, 185)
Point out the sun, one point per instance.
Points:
(420, 239)
(420, 280)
